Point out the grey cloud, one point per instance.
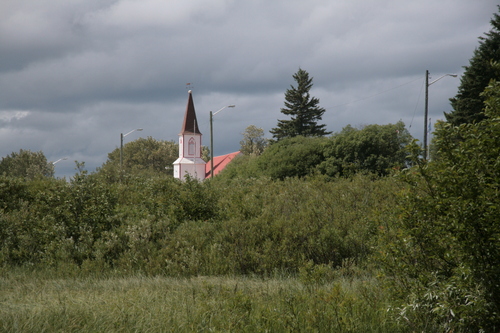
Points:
(83, 71)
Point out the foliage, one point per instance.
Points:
(160, 225)
(52, 221)
(468, 103)
(13, 191)
(243, 166)
(303, 109)
(291, 157)
(139, 156)
(445, 256)
(205, 153)
(296, 221)
(374, 149)
(26, 164)
(253, 142)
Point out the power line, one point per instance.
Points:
(416, 105)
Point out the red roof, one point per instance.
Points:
(220, 162)
(190, 124)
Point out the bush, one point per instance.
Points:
(375, 149)
(445, 258)
(161, 225)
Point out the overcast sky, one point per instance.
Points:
(74, 74)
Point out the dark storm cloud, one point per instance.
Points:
(76, 74)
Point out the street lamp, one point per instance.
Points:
(212, 139)
(121, 146)
(59, 160)
(427, 84)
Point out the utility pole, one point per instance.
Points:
(427, 84)
(212, 138)
(211, 146)
(426, 111)
(121, 149)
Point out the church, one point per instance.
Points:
(190, 162)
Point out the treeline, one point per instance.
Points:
(372, 149)
(159, 225)
(305, 199)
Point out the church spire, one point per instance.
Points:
(190, 125)
(190, 162)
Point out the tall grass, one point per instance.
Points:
(199, 304)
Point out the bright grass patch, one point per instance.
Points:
(198, 304)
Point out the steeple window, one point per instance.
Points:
(191, 146)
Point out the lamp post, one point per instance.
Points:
(121, 146)
(212, 139)
(427, 84)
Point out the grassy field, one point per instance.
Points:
(32, 302)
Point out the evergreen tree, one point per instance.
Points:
(302, 108)
(468, 104)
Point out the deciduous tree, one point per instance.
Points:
(292, 157)
(253, 142)
(26, 164)
(141, 155)
(374, 149)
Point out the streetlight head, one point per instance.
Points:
(59, 160)
(132, 131)
(453, 75)
(227, 106)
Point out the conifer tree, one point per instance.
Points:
(302, 108)
(468, 104)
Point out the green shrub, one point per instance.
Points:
(444, 258)
(375, 149)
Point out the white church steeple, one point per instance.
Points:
(189, 161)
